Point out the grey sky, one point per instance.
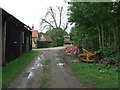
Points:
(30, 11)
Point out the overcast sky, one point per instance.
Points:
(30, 11)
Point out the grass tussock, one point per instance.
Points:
(0, 78)
(44, 82)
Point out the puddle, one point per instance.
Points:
(60, 64)
(56, 54)
(39, 58)
(42, 57)
(37, 62)
(30, 74)
(32, 68)
(42, 65)
(57, 59)
(37, 65)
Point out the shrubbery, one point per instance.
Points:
(53, 44)
(117, 57)
(110, 55)
(59, 41)
(42, 44)
(46, 44)
(70, 42)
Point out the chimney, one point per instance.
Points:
(32, 26)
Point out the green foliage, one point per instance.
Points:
(96, 26)
(42, 44)
(12, 69)
(117, 57)
(96, 75)
(57, 34)
(70, 42)
(107, 51)
(53, 44)
(59, 41)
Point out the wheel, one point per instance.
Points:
(81, 58)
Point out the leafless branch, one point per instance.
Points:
(54, 18)
(66, 26)
(47, 22)
(60, 11)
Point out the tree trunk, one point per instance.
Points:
(99, 37)
(102, 35)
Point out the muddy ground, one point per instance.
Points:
(60, 74)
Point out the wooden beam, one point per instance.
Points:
(0, 37)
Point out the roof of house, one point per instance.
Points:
(46, 38)
(35, 33)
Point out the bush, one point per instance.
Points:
(53, 44)
(70, 42)
(117, 57)
(107, 51)
(42, 44)
(59, 41)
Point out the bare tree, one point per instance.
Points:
(54, 18)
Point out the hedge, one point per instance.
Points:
(42, 44)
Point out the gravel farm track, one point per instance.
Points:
(60, 75)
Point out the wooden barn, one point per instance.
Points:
(15, 37)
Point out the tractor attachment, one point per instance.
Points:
(87, 56)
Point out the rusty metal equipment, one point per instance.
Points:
(87, 56)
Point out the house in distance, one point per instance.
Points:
(45, 38)
(34, 37)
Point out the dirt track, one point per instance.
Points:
(60, 74)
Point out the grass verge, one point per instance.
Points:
(96, 75)
(44, 82)
(0, 77)
(12, 70)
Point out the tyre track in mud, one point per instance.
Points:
(61, 74)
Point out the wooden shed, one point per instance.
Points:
(15, 37)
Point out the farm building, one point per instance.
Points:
(15, 37)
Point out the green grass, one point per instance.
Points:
(46, 69)
(0, 78)
(44, 82)
(12, 69)
(96, 75)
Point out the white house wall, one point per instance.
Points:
(42, 38)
